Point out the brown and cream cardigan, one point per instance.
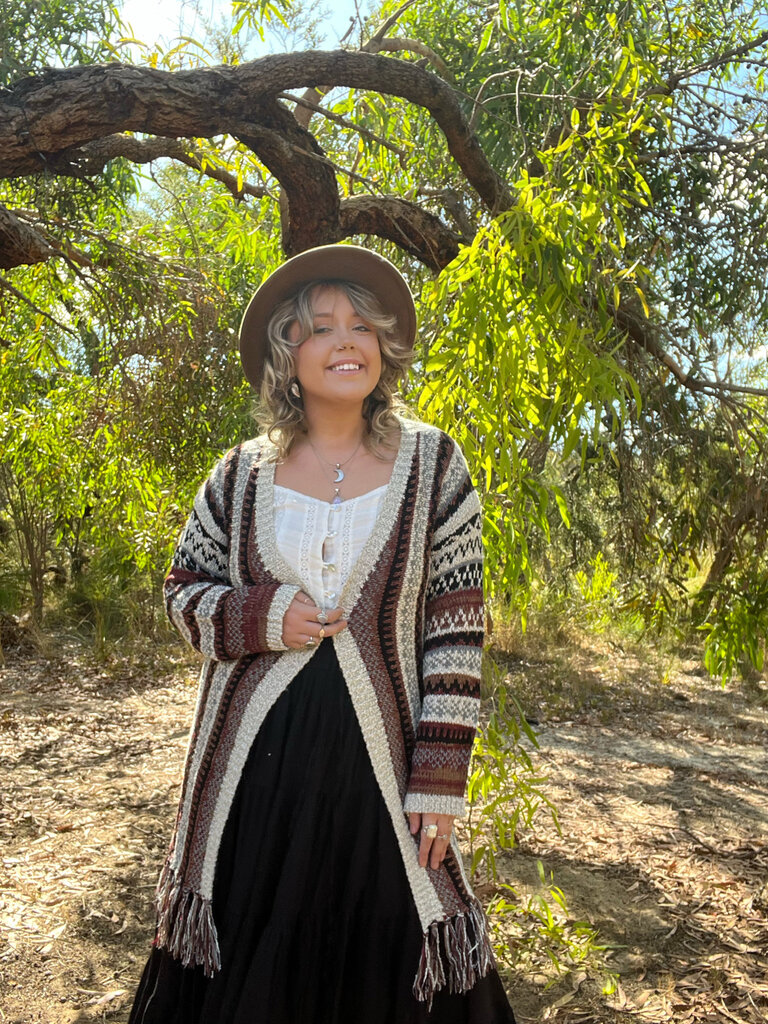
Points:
(410, 656)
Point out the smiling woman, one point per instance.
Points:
(331, 572)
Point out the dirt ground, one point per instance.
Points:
(660, 779)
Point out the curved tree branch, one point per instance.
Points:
(310, 211)
(315, 108)
(315, 93)
(60, 109)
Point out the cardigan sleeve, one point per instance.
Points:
(453, 648)
(221, 620)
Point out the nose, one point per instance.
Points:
(345, 338)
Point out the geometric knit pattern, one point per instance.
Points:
(410, 656)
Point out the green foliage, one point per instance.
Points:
(505, 790)
(514, 367)
(598, 591)
(505, 793)
(539, 934)
(58, 33)
(737, 632)
(258, 13)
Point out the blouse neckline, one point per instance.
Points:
(390, 505)
(322, 501)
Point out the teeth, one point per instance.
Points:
(346, 366)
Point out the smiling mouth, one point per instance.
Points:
(345, 368)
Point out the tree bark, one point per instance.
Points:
(412, 228)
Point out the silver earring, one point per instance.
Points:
(295, 389)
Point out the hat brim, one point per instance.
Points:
(324, 263)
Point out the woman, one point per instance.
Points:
(331, 573)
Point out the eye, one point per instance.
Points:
(364, 328)
(320, 329)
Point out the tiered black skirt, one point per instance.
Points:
(315, 918)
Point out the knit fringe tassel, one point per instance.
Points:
(449, 956)
(185, 925)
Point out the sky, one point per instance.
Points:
(161, 22)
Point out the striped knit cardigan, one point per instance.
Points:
(410, 656)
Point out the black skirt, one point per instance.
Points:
(314, 914)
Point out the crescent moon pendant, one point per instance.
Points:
(339, 475)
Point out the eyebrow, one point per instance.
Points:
(329, 316)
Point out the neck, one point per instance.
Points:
(334, 430)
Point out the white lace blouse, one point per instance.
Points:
(322, 541)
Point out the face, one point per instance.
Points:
(341, 359)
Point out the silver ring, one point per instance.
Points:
(445, 837)
(310, 642)
(430, 831)
(322, 617)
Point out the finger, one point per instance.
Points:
(330, 629)
(437, 853)
(321, 629)
(414, 822)
(316, 632)
(335, 615)
(310, 619)
(426, 842)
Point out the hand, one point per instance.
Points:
(300, 622)
(433, 850)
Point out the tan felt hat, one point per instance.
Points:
(323, 263)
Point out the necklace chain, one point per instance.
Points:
(336, 465)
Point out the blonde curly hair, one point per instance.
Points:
(281, 414)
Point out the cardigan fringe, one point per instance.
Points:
(463, 960)
(185, 925)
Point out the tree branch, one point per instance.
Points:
(91, 159)
(315, 93)
(40, 312)
(675, 79)
(302, 101)
(398, 44)
(640, 334)
(20, 243)
(310, 207)
(409, 226)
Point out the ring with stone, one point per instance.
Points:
(322, 617)
(322, 633)
(310, 643)
(430, 831)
